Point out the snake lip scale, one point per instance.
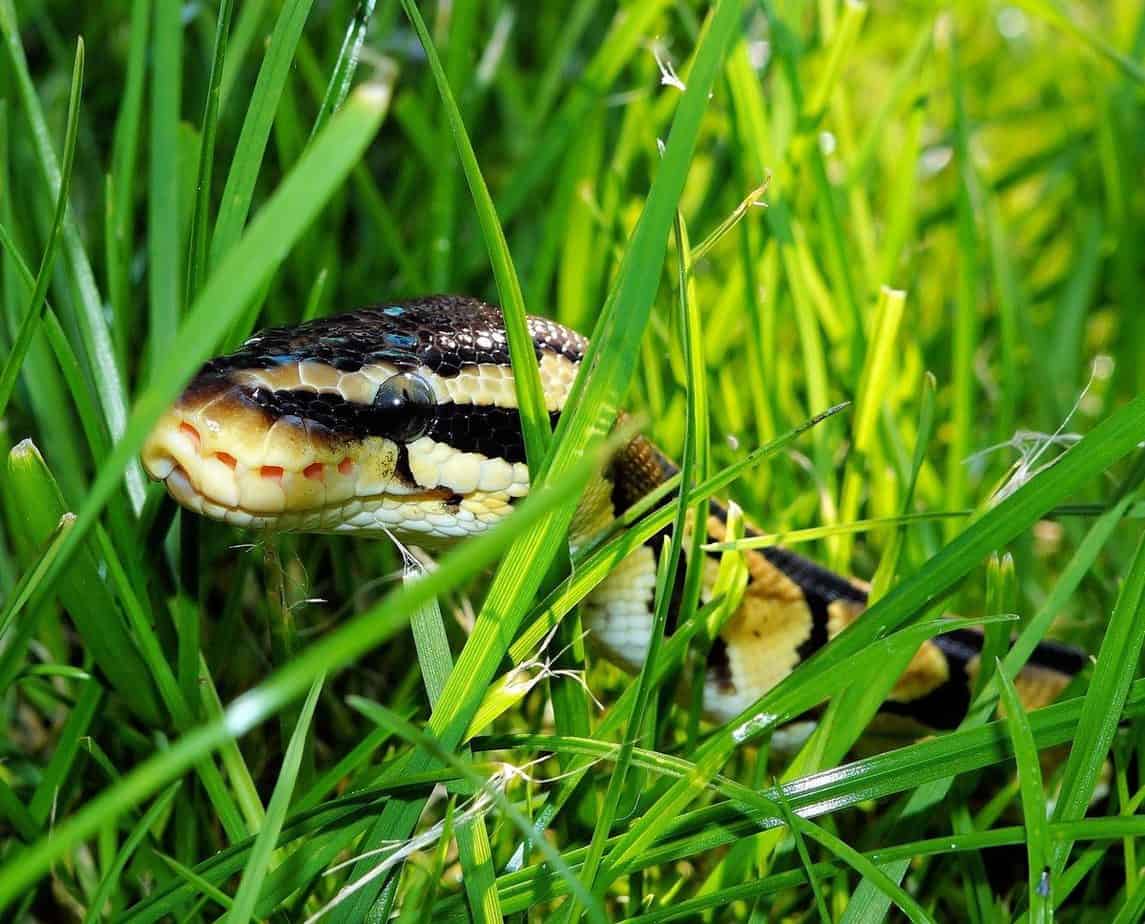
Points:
(402, 419)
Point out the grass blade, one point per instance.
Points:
(31, 319)
(238, 193)
(526, 374)
(1033, 801)
(243, 908)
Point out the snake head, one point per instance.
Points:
(401, 418)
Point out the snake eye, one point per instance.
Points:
(408, 402)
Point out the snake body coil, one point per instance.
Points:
(403, 419)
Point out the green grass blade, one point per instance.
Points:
(238, 279)
(1113, 438)
(1033, 802)
(31, 319)
(238, 193)
(164, 245)
(424, 741)
(335, 650)
(200, 211)
(526, 375)
(80, 588)
(89, 317)
(346, 65)
(157, 809)
(587, 414)
(243, 908)
(1116, 665)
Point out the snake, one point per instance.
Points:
(402, 420)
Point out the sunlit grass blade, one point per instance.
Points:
(1059, 19)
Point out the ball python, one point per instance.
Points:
(402, 419)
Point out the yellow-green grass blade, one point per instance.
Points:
(1107, 442)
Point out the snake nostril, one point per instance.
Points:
(345, 466)
(192, 433)
(314, 471)
(227, 459)
(274, 472)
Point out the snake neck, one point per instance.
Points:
(632, 473)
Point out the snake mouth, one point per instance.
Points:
(221, 454)
(342, 492)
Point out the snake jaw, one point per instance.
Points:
(219, 453)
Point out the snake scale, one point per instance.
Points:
(402, 419)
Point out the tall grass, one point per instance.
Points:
(759, 211)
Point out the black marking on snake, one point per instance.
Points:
(402, 470)
(487, 429)
(818, 635)
(444, 333)
(945, 706)
(813, 579)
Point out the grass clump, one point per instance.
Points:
(931, 213)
